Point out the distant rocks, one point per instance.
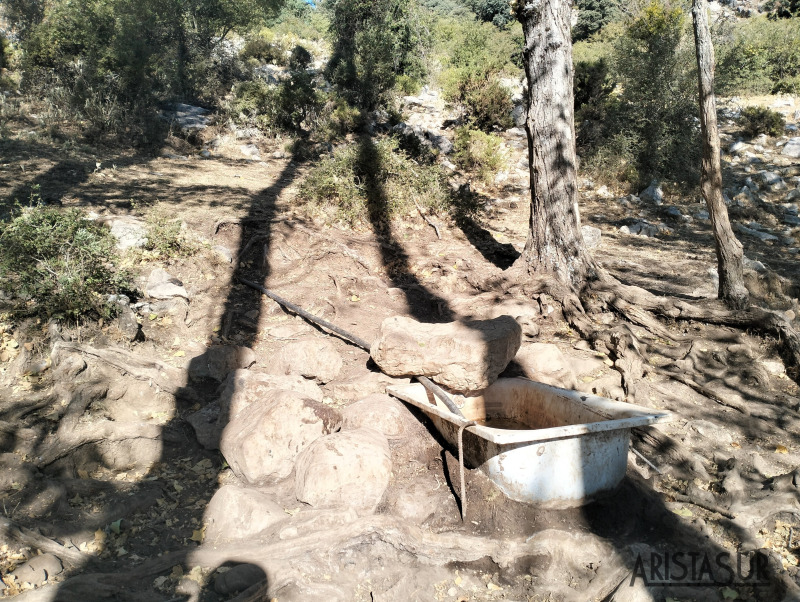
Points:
(652, 194)
(188, 118)
(792, 148)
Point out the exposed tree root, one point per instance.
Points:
(102, 430)
(25, 537)
(166, 377)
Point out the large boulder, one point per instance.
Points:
(463, 356)
(237, 513)
(240, 390)
(544, 362)
(348, 469)
(381, 412)
(261, 443)
(311, 358)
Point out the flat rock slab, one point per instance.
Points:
(349, 469)
(242, 389)
(463, 356)
(262, 442)
(311, 358)
(792, 148)
(163, 285)
(237, 513)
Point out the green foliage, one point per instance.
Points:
(373, 182)
(760, 56)
(783, 9)
(290, 106)
(64, 263)
(476, 56)
(374, 42)
(592, 83)
(761, 120)
(479, 151)
(593, 15)
(454, 9)
(653, 60)
(122, 57)
(497, 12)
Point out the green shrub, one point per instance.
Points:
(476, 56)
(593, 15)
(62, 262)
(373, 44)
(653, 60)
(479, 151)
(337, 119)
(761, 120)
(373, 182)
(293, 105)
(759, 56)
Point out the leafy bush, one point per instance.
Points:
(653, 60)
(476, 57)
(593, 15)
(479, 151)
(60, 260)
(373, 44)
(761, 120)
(373, 182)
(496, 12)
(760, 56)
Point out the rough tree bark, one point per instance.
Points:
(555, 245)
(729, 250)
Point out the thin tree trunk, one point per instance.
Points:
(729, 249)
(555, 244)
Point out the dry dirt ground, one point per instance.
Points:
(120, 497)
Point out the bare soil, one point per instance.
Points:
(123, 510)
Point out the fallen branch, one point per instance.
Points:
(429, 220)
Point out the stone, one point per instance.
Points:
(793, 195)
(362, 384)
(237, 513)
(250, 150)
(216, 362)
(241, 389)
(591, 236)
(464, 356)
(38, 569)
(130, 233)
(604, 193)
(763, 236)
(674, 212)
(737, 147)
(701, 215)
(774, 367)
(162, 285)
(750, 264)
(188, 118)
(315, 358)
(544, 362)
(238, 579)
(625, 230)
(223, 253)
(381, 412)
(792, 148)
(712, 431)
(126, 318)
(519, 115)
(261, 443)
(652, 194)
(349, 469)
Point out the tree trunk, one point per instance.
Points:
(729, 249)
(555, 244)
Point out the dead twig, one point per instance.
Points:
(10, 531)
(431, 223)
